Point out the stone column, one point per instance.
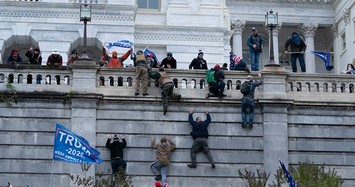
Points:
(274, 106)
(338, 66)
(238, 27)
(309, 30)
(276, 43)
(83, 108)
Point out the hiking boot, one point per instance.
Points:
(244, 125)
(158, 177)
(250, 126)
(144, 94)
(191, 165)
(136, 93)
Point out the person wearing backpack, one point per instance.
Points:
(247, 90)
(215, 83)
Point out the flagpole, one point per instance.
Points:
(304, 52)
(51, 173)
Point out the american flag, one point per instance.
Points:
(288, 175)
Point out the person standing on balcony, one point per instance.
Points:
(256, 44)
(118, 165)
(199, 62)
(350, 69)
(298, 47)
(200, 134)
(247, 90)
(55, 59)
(34, 56)
(14, 58)
(115, 61)
(140, 62)
(73, 57)
(168, 62)
(163, 152)
(167, 87)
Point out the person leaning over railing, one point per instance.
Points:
(55, 59)
(14, 58)
(34, 56)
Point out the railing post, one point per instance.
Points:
(84, 76)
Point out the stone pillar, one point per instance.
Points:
(309, 30)
(276, 43)
(83, 108)
(238, 27)
(338, 66)
(274, 106)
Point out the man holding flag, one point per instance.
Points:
(115, 61)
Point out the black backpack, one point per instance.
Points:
(246, 87)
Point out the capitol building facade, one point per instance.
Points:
(182, 27)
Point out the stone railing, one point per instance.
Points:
(190, 83)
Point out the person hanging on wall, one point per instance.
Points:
(199, 135)
(34, 56)
(118, 165)
(199, 62)
(256, 44)
(298, 47)
(167, 87)
(247, 89)
(163, 152)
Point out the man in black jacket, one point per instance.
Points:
(116, 149)
(200, 134)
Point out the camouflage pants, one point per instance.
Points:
(166, 92)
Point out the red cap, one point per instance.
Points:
(217, 66)
(15, 53)
(158, 184)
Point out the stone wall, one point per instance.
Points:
(295, 121)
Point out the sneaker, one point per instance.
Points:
(192, 165)
(213, 166)
(158, 177)
(144, 94)
(244, 125)
(250, 126)
(136, 93)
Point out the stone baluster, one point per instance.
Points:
(309, 30)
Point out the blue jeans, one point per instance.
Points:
(300, 59)
(247, 102)
(157, 169)
(254, 60)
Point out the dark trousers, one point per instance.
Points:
(247, 102)
(217, 88)
(200, 144)
(118, 165)
(300, 59)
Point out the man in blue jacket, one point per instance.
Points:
(200, 134)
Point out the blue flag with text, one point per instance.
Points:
(288, 175)
(325, 56)
(119, 43)
(70, 147)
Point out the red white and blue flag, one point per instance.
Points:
(290, 180)
(325, 56)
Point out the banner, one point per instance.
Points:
(120, 43)
(325, 56)
(70, 147)
(147, 51)
(288, 175)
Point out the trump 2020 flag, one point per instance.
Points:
(147, 52)
(325, 56)
(288, 175)
(119, 43)
(70, 147)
